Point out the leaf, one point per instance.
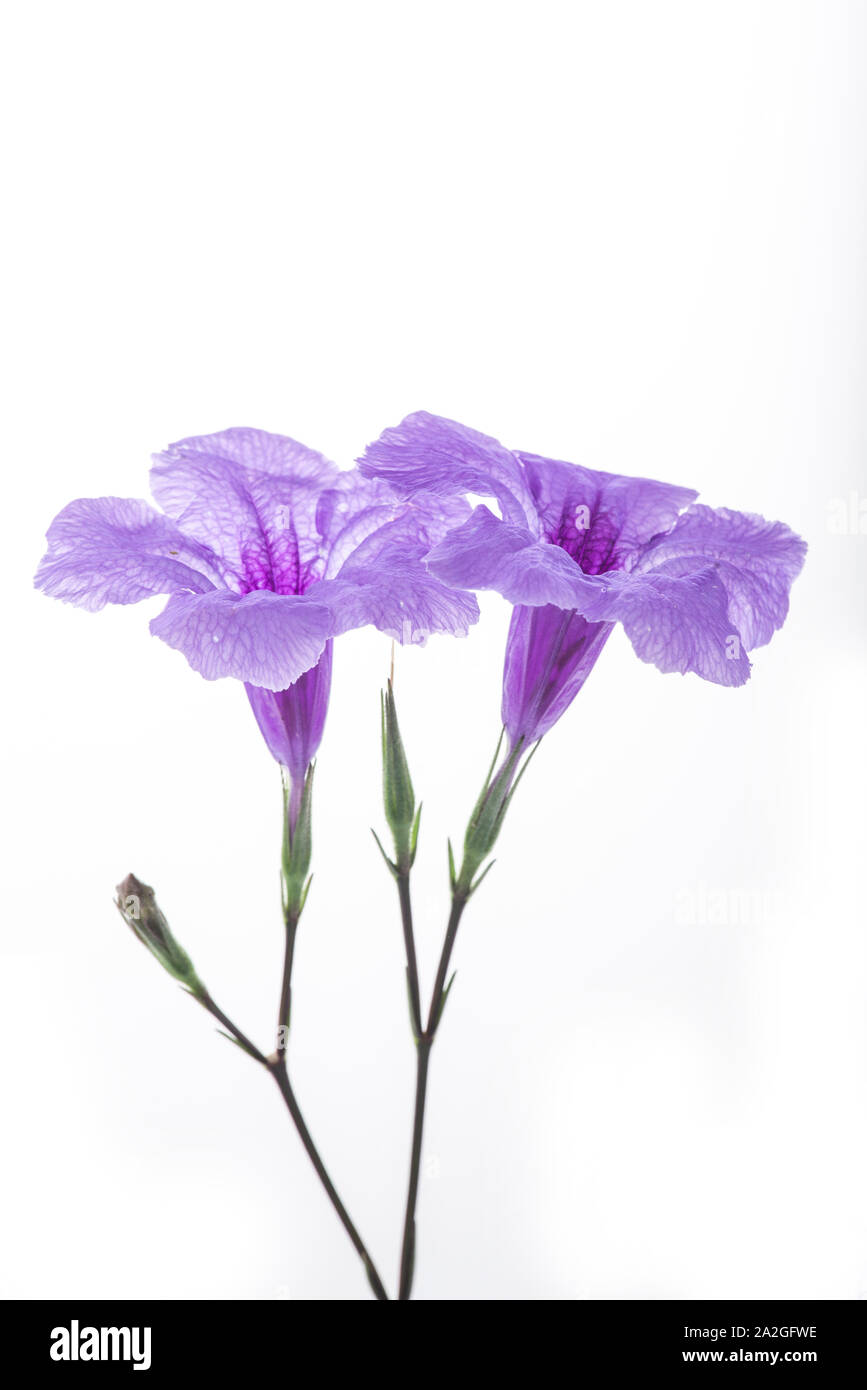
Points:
(446, 995)
(238, 1043)
(414, 838)
(392, 868)
(482, 876)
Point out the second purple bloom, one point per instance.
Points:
(577, 551)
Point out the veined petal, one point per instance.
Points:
(376, 542)
(252, 497)
(486, 553)
(349, 511)
(262, 452)
(262, 638)
(119, 550)
(360, 518)
(755, 560)
(428, 453)
(409, 529)
(601, 519)
(678, 620)
(400, 598)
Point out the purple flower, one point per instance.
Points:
(267, 551)
(577, 551)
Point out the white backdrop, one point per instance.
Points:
(627, 234)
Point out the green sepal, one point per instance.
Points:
(445, 996)
(487, 819)
(243, 1046)
(414, 838)
(304, 894)
(482, 876)
(397, 789)
(297, 848)
(392, 868)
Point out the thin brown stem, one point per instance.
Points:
(424, 1042)
(277, 1067)
(404, 896)
(285, 1008)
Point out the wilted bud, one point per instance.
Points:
(138, 908)
(398, 794)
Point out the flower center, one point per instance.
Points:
(590, 539)
(276, 559)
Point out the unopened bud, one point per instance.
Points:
(138, 907)
(398, 794)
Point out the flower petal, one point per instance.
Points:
(377, 542)
(427, 453)
(486, 553)
(261, 452)
(263, 638)
(678, 620)
(399, 598)
(252, 497)
(119, 550)
(756, 561)
(361, 518)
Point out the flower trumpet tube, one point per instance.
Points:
(292, 722)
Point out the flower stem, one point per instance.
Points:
(286, 987)
(407, 1253)
(404, 897)
(424, 1043)
(482, 832)
(276, 1065)
(240, 1038)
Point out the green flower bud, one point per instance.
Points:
(398, 794)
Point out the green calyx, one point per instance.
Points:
(487, 819)
(401, 812)
(297, 848)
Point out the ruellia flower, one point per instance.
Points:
(576, 551)
(267, 552)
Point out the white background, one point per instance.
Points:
(627, 234)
